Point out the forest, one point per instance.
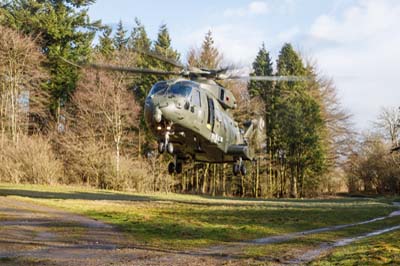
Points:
(63, 124)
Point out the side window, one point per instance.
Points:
(196, 98)
(222, 94)
(211, 114)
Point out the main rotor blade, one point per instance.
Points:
(159, 57)
(269, 78)
(121, 68)
(131, 69)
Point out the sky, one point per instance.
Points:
(354, 42)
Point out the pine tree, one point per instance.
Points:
(162, 46)
(140, 42)
(106, 45)
(209, 56)
(290, 63)
(139, 39)
(262, 66)
(120, 39)
(65, 31)
(299, 125)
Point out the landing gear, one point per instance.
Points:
(243, 169)
(165, 144)
(161, 147)
(239, 167)
(170, 148)
(236, 169)
(178, 168)
(175, 167)
(171, 168)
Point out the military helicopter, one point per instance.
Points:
(190, 115)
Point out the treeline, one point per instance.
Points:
(65, 124)
(373, 166)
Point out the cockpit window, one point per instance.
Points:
(180, 88)
(158, 88)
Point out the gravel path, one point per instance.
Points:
(32, 234)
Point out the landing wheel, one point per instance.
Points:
(170, 148)
(178, 168)
(171, 168)
(161, 147)
(243, 169)
(236, 169)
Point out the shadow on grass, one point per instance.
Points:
(74, 195)
(203, 199)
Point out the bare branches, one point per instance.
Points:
(100, 121)
(388, 124)
(21, 77)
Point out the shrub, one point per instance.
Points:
(30, 160)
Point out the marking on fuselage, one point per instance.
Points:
(216, 138)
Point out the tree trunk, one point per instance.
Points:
(223, 180)
(205, 177)
(214, 179)
(257, 183)
(197, 169)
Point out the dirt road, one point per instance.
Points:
(31, 234)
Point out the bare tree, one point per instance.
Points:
(388, 124)
(101, 120)
(21, 77)
(23, 158)
(372, 168)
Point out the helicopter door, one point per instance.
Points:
(196, 108)
(211, 114)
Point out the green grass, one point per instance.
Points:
(379, 250)
(5, 259)
(187, 221)
(289, 249)
(25, 261)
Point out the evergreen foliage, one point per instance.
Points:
(65, 31)
(120, 39)
(106, 44)
(207, 57)
(300, 124)
(162, 46)
(139, 39)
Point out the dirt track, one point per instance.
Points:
(35, 235)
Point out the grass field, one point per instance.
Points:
(379, 250)
(189, 221)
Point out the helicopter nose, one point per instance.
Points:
(170, 109)
(153, 110)
(157, 115)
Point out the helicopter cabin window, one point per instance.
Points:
(158, 88)
(211, 114)
(180, 88)
(196, 98)
(222, 94)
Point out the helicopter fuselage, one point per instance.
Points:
(193, 118)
